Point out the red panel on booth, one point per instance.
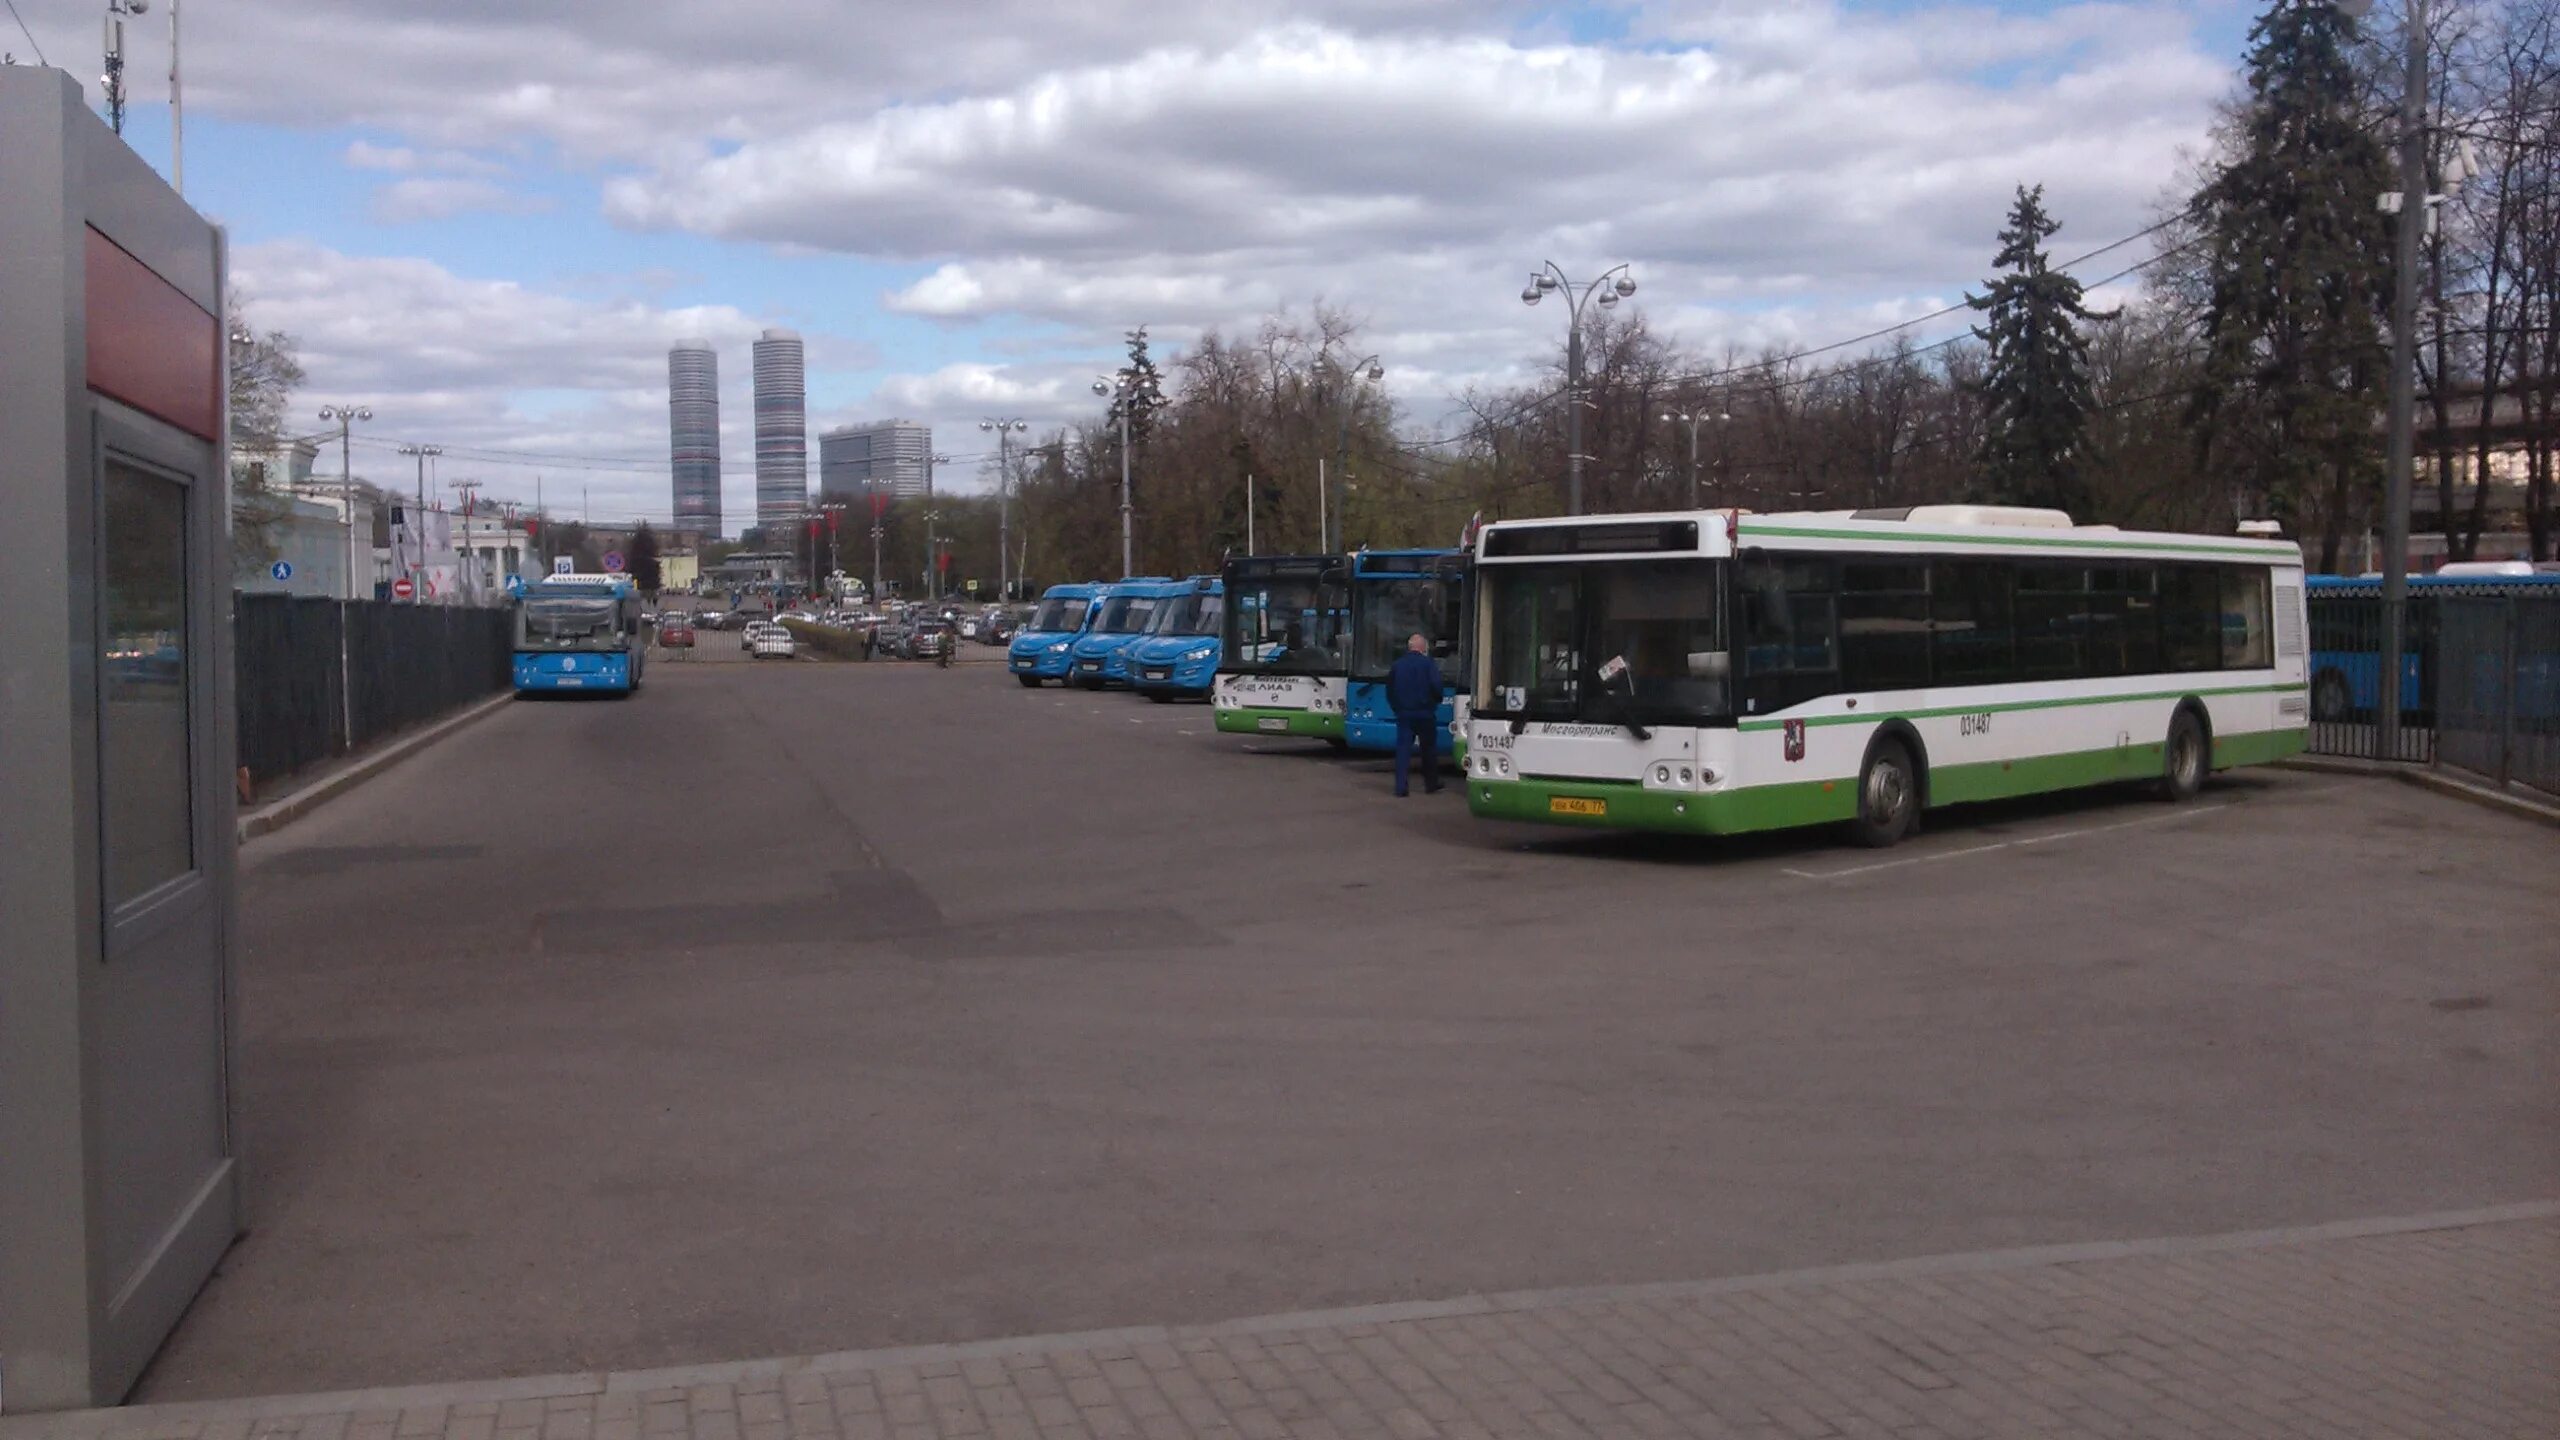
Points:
(149, 345)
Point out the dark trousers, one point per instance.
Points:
(1418, 732)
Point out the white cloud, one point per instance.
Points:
(482, 366)
(404, 160)
(441, 197)
(1778, 171)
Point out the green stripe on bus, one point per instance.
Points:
(1247, 720)
(1756, 726)
(1822, 802)
(2022, 541)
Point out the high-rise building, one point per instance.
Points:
(782, 431)
(693, 427)
(891, 455)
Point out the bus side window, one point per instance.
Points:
(1789, 637)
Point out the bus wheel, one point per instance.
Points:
(1888, 796)
(2183, 764)
(1029, 682)
(1159, 696)
(2329, 699)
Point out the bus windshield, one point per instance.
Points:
(1060, 613)
(1125, 614)
(1392, 612)
(1193, 614)
(569, 623)
(1606, 643)
(1285, 625)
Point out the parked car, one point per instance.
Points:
(712, 619)
(770, 642)
(925, 642)
(889, 639)
(675, 632)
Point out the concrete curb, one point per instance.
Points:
(2502, 801)
(2428, 777)
(622, 1382)
(270, 818)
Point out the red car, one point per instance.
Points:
(675, 634)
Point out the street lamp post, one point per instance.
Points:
(345, 416)
(835, 514)
(1004, 426)
(1694, 419)
(2404, 325)
(1370, 370)
(418, 517)
(1547, 278)
(1122, 388)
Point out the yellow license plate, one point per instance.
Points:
(1575, 805)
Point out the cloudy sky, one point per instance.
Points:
(488, 218)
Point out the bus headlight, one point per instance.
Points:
(1203, 653)
(1061, 647)
(1661, 774)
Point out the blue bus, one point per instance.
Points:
(1120, 618)
(1178, 656)
(579, 634)
(2346, 636)
(1039, 651)
(1283, 646)
(1395, 595)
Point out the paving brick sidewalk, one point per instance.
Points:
(2424, 1327)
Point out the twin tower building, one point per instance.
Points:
(856, 463)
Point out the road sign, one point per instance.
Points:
(613, 562)
(515, 586)
(404, 589)
(973, 587)
(281, 570)
(564, 565)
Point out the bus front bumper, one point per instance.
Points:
(1254, 720)
(1614, 805)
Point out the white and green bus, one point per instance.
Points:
(1720, 672)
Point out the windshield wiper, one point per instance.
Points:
(1626, 706)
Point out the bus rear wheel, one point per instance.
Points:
(1888, 796)
(2329, 697)
(2183, 759)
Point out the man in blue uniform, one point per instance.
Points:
(1413, 692)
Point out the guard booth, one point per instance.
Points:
(118, 1186)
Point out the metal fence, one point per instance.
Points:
(318, 678)
(2499, 706)
(2346, 675)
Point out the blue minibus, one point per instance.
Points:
(1178, 656)
(1040, 651)
(1120, 618)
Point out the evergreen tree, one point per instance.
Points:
(1141, 389)
(2296, 273)
(2036, 386)
(644, 561)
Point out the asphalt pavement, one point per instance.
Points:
(791, 1008)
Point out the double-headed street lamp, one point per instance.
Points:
(1694, 419)
(418, 517)
(1005, 426)
(1123, 388)
(1614, 285)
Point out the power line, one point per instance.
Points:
(30, 34)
